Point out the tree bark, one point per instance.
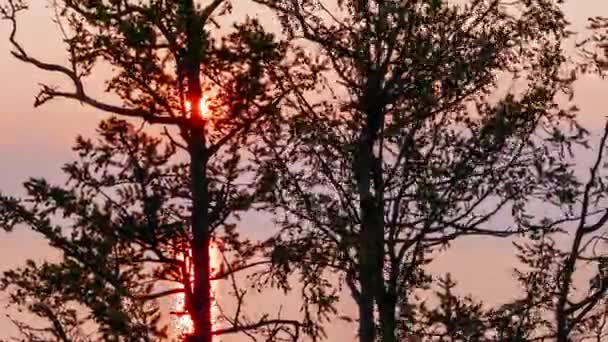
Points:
(200, 301)
(371, 252)
(201, 294)
(388, 323)
(371, 244)
(367, 329)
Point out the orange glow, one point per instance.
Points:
(182, 323)
(205, 112)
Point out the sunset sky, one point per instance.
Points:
(37, 141)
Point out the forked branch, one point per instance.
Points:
(47, 93)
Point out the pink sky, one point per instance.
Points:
(36, 142)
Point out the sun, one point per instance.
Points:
(204, 106)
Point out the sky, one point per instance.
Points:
(36, 142)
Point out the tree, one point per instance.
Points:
(558, 306)
(559, 255)
(409, 140)
(165, 63)
(105, 222)
(112, 220)
(455, 318)
(568, 249)
(121, 224)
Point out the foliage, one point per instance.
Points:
(595, 48)
(163, 60)
(408, 141)
(379, 139)
(561, 270)
(121, 225)
(555, 265)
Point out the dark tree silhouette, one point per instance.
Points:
(122, 227)
(562, 273)
(394, 137)
(408, 141)
(567, 250)
(162, 61)
(455, 318)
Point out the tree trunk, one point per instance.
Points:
(371, 266)
(371, 244)
(367, 329)
(201, 294)
(368, 173)
(388, 323)
(200, 301)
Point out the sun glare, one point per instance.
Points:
(205, 112)
(182, 323)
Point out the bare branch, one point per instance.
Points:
(47, 93)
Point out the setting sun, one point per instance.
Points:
(205, 112)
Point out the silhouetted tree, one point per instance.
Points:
(568, 250)
(562, 273)
(162, 62)
(454, 318)
(408, 141)
(122, 227)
